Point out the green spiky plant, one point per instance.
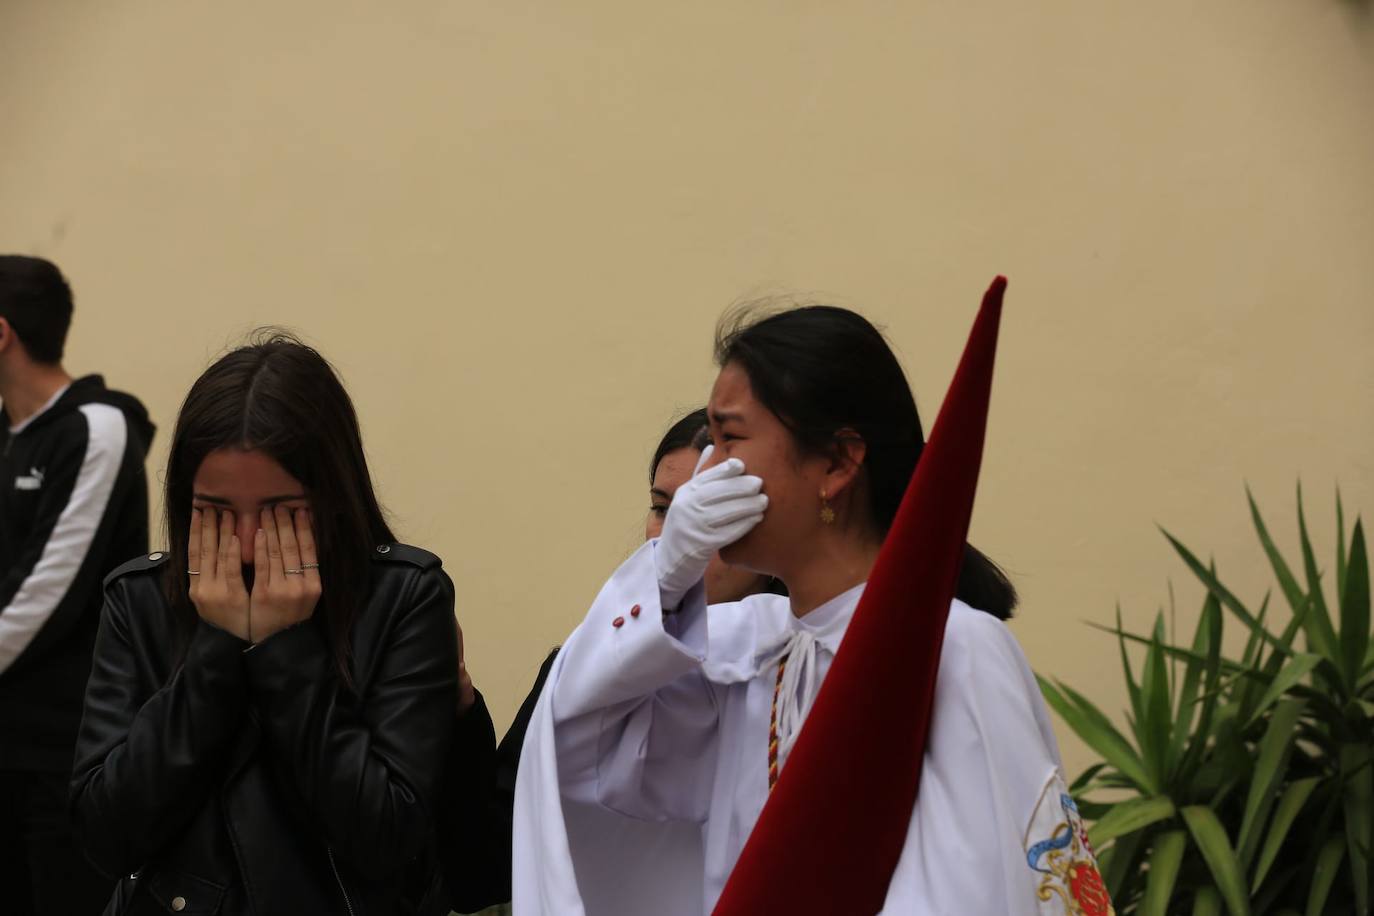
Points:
(1245, 785)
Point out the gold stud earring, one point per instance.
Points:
(827, 513)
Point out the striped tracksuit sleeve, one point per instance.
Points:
(38, 601)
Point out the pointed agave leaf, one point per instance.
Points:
(1321, 636)
(1132, 688)
(1270, 767)
(1232, 668)
(1230, 601)
(1207, 902)
(1248, 691)
(1121, 862)
(1276, 660)
(1287, 582)
(1328, 863)
(1173, 635)
(1210, 837)
(1320, 701)
(1157, 712)
(1092, 810)
(1192, 678)
(1341, 565)
(1279, 886)
(1097, 732)
(1289, 807)
(1298, 667)
(1250, 657)
(1355, 608)
(1357, 772)
(1130, 816)
(1211, 616)
(1164, 863)
(1085, 778)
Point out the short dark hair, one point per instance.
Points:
(688, 432)
(821, 369)
(37, 302)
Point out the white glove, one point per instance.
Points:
(714, 509)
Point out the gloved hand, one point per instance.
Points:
(714, 509)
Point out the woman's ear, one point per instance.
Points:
(846, 460)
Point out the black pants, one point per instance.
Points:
(42, 873)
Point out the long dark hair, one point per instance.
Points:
(281, 397)
(821, 369)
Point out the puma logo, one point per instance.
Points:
(34, 480)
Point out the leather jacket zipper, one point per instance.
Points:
(348, 904)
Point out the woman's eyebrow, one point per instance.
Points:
(272, 501)
(221, 501)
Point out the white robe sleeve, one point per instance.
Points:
(635, 720)
(571, 858)
(626, 723)
(990, 761)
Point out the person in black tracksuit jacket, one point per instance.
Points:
(269, 725)
(73, 505)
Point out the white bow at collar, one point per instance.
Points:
(800, 684)
(820, 631)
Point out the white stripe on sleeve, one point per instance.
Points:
(47, 584)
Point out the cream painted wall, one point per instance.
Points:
(513, 226)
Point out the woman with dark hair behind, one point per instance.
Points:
(272, 698)
(661, 708)
(671, 466)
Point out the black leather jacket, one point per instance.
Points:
(219, 779)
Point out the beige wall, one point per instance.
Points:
(513, 225)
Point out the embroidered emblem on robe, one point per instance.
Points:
(1068, 881)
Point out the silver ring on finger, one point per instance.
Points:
(298, 571)
(310, 566)
(192, 572)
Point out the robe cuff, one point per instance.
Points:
(648, 644)
(626, 649)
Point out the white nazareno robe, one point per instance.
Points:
(646, 763)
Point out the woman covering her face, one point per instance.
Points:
(670, 467)
(661, 708)
(272, 698)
